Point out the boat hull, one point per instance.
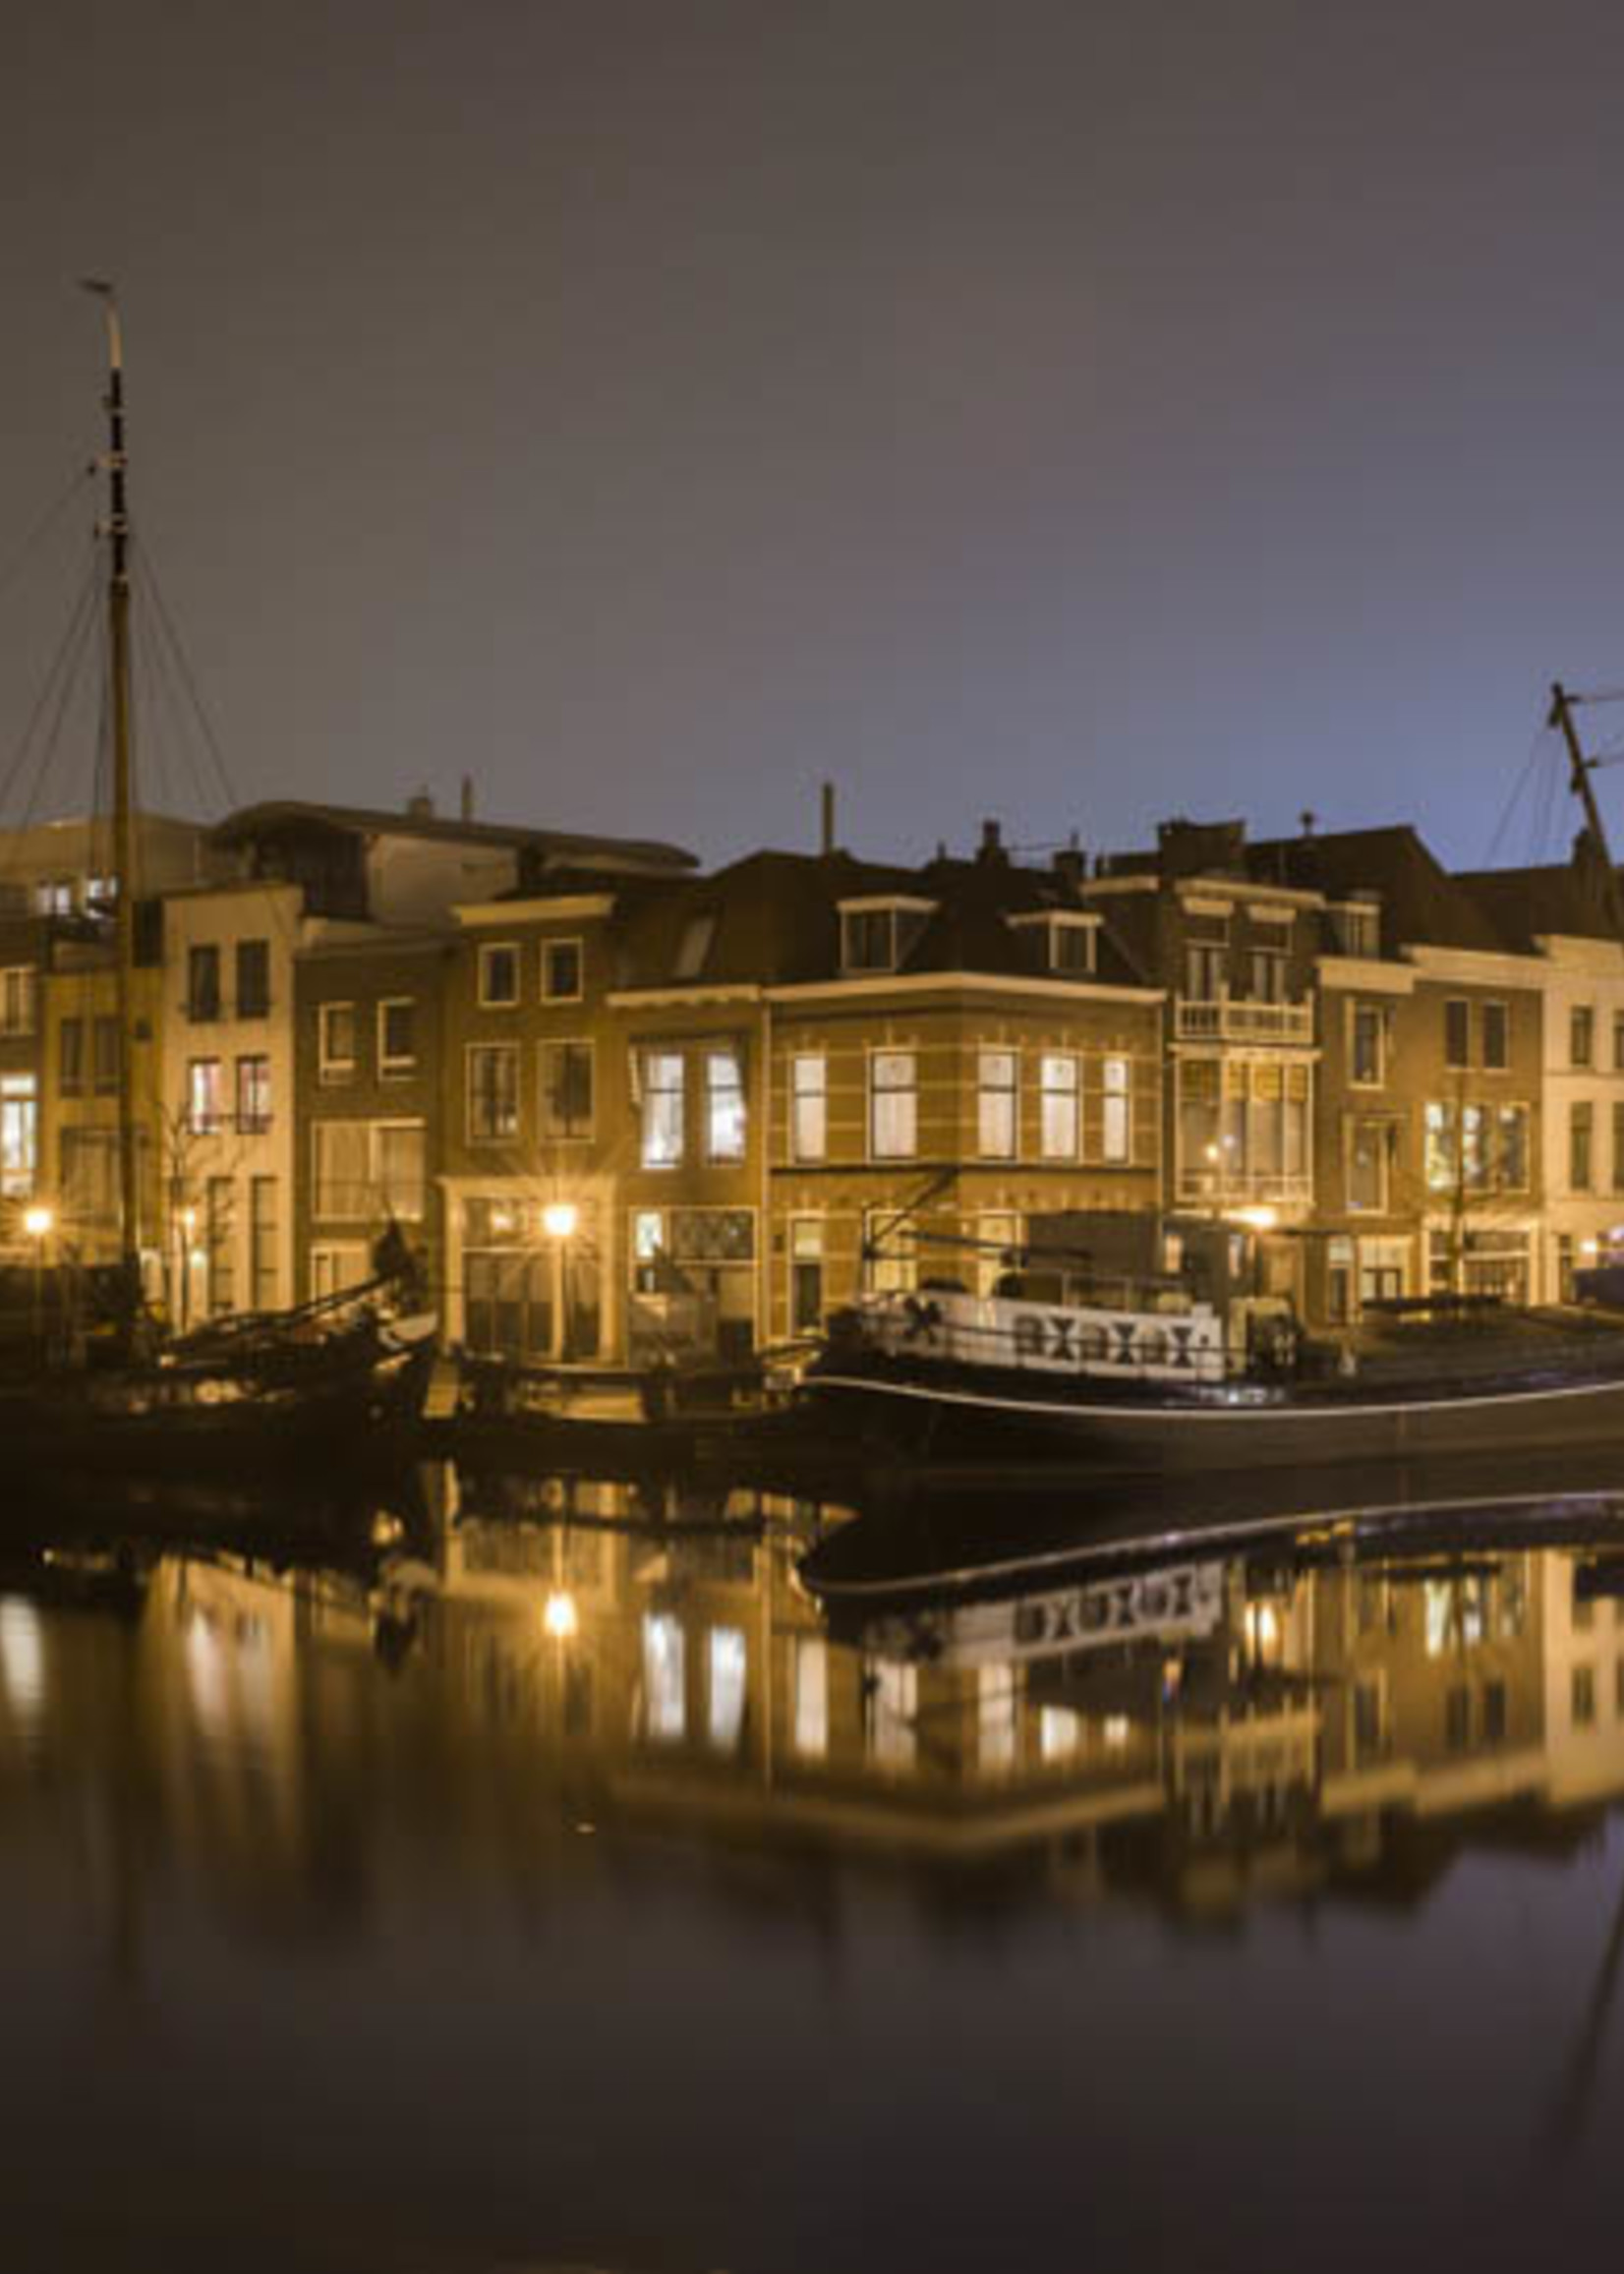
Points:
(917, 1410)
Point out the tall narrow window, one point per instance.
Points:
(1058, 1108)
(253, 978)
(105, 1056)
(1457, 1032)
(894, 1105)
(998, 1105)
(492, 1092)
(1496, 1033)
(805, 1274)
(560, 970)
(663, 1073)
(203, 982)
(808, 1106)
(204, 1099)
(342, 1192)
(1580, 1167)
(664, 1681)
(397, 1037)
(728, 1670)
(1367, 1032)
(19, 987)
(398, 1168)
(70, 1058)
(724, 1106)
(253, 1095)
(498, 975)
(335, 1027)
(1118, 1126)
(566, 1089)
(262, 1260)
(19, 1135)
(811, 1722)
(222, 1257)
(1581, 1034)
(1618, 1145)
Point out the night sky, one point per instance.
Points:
(1078, 414)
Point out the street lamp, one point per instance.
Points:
(559, 1221)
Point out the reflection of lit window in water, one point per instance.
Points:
(229, 1674)
(1059, 1732)
(23, 1661)
(892, 1696)
(998, 1708)
(205, 1673)
(726, 1687)
(811, 1695)
(664, 1675)
(1456, 1613)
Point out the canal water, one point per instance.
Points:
(538, 1878)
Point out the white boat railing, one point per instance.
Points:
(941, 1326)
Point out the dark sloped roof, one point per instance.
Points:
(1422, 904)
(252, 822)
(1530, 903)
(773, 919)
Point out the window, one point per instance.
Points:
(664, 1079)
(492, 1092)
(204, 1099)
(811, 1722)
(55, 898)
(220, 1202)
(262, 1251)
(890, 1703)
(1117, 1133)
(342, 1183)
(805, 1274)
(998, 1105)
(1071, 947)
(1457, 1033)
(253, 978)
(724, 1106)
(1457, 1718)
(398, 1163)
(894, 1105)
(252, 1096)
(566, 1089)
(728, 1661)
(1581, 1119)
(1618, 1145)
(808, 1106)
(203, 982)
(1584, 1697)
(18, 993)
(1060, 1127)
(89, 1182)
(1497, 1031)
(70, 1058)
(1512, 1153)
(664, 1689)
(1370, 1154)
(19, 1135)
(499, 976)
(1494, 1712)
(560, 970)
(694, 946)
(868, 939)
(396, 1036)
(1367, 1719)
(105, 1056)
(1618, 1041)
(1581, 1034)
(1356, 929)
(997, 1248)
(336, 1036)
(1268, 975)
(1367, 1044)
(1204, 962)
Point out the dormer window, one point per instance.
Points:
(1355, 927)
(878, 935)
(1065, 943)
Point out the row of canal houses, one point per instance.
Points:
(618, 1103)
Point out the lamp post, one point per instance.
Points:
(559, 1221)
(38, 1222)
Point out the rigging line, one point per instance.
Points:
(165, 621)
(1504, 822)
(67, 682)
(45, 524)
(63, 666)
(169, 728)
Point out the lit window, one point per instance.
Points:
(664, 1676)
(19, 1135)
(18, 991)
(566, 1089)
(724, 1106)
(663, 1073)
(335, 1041)
(998, 1105)
(811, 1722)
(1117, 1133)
(252, 1096)
(204, 1099)
(728, 1670)
(894, 1105)
(492, 1092)
(809, 1106)
(1059, 1101)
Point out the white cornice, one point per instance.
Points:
(559, 907)
(1477, 966)
(656, 997)
(1364, 975)
(959, 983)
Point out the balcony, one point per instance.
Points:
(1221, 1191)
(1244, 1019)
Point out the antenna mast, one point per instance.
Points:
(1580, 767)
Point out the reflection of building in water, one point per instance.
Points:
(1203, 1734)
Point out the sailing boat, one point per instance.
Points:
(113, 1392)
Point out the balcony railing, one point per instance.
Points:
(1241, 1020)
(1220, 1189)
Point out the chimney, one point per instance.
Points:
(827, 845)
(991, 848)
(1072, 867)
(468, 797)
(420, 807)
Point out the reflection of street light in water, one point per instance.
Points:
(38, 1223)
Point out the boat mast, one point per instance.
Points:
(1606, 877)
(123, 861)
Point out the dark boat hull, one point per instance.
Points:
(945, 1413)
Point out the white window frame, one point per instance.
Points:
(1117, 1091)
(809, 1106)
(1068, 1093)
(720, 1149)
(476, 1137)
(1375, 1014)
(392, 1066)
(18, 999)
(552, 994)
(490, 949)
(903, 1150)
(550, 1131)
(212, 1123)
(647, 1057)
(331, 1067)
(996, 1103)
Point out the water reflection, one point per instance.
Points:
(1200, 1730)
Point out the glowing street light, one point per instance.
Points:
(561, 1219)
(38, 1221)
